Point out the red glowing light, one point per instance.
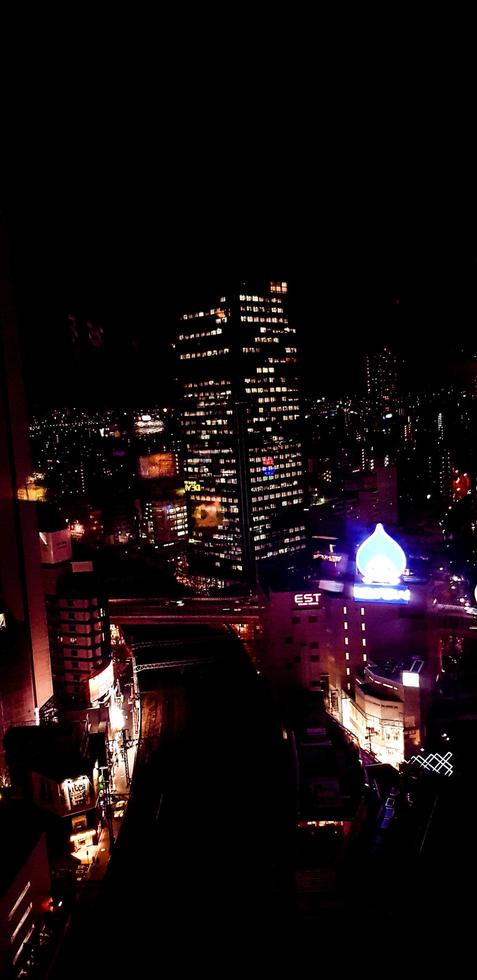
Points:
(460, 485)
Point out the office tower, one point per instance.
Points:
(243, 465)
(25, 671)
(382, 380)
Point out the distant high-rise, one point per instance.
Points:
(162, 505)
(382, 380)
(25, 671)
(243, 463)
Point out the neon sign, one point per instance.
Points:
(380, 558)
(307, 599)
(381, 562)
(382, 593)
(334, 559)
(191, 485)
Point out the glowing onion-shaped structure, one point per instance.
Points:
(380, 558)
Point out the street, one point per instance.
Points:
(204, 843)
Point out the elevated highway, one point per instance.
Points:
(162, 611)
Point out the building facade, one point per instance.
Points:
(80, 640)
(243, 465)
(24, 882)
(25, 671)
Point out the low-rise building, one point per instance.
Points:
(58, 768)
(24, 880)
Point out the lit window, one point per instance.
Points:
(19, 899)
(22, 920)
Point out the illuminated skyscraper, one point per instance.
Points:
(243, 464)
(25, 671)
(382, 380)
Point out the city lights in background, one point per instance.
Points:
(77, 530)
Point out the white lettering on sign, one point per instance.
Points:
(381, 593)
(307, 599)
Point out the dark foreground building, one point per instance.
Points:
(25, 672)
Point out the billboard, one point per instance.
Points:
(55, 546)
(100, 684)
(207, 517)
(381, 562)
(148, 425)
(157, 465)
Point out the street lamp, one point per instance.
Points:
(116, 718)
(105, 788)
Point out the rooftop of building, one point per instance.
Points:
(79, 584)
(20, 831)
(287, 573)
(393, 669)
(380, 693)
(131, 574)
(59, 752)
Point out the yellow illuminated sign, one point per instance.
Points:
(191, 485)
(31, 492)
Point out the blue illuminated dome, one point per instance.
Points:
(380, 558)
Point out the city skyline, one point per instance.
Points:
(397, 282)
(238, 567)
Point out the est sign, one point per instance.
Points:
(307, 599)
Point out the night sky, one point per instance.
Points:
(374, 236)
